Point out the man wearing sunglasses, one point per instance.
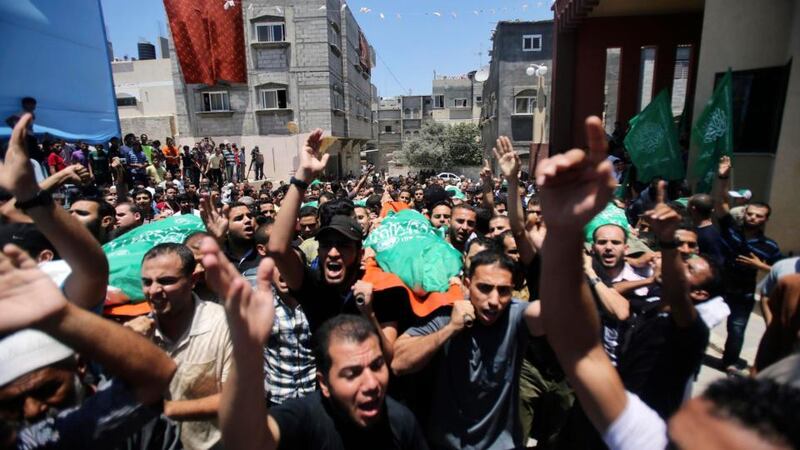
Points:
(481, 342)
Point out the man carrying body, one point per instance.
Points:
(482, 341)
(462, 224)
(350, 411)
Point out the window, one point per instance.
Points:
(532, 43)
(270, 32)
(427, 100)
(338, 101)
(273, 98)
(460, 102)
(524, 105)
(216, 101)
(126, 101)
(407, 113)
(387, 129)
(438, 101)
(478, 99)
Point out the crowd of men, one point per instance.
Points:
(277, 328)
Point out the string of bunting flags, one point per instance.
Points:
(228, 4)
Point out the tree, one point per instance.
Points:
(441, 147)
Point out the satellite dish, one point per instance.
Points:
(483, 74)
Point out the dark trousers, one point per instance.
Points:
(741, 306)
(259, 171)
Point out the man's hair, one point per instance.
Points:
(344, 327)
(337, 207)
(260, 236)
(307, 211)
(327, 195)
(770, 409)
(482, 218)
(132, 206)
(762, 205)
(466, 206)
(196, 233)
(498, 216)
(703, 204)
(714, 283)
(374, 203)
(237, 205)
(483, 241)
(142, 191)
(104, 209)
(490, 257)
(183, 252)
(624, 232)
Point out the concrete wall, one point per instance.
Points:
(456, 87)
(745, 35)
(150, 82)
(155, 127)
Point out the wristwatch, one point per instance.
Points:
(593, 281)
(300, 184)
(41, 198)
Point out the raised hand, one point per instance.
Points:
(249, 311)
(76, 173)
(663, 220)
(362, 291)
(486, 173)
(16, 172)
(576, 185)
(311, 163)
(752, 261)
(507, 158)
(27, 295)
(724, 168)
(215, 219)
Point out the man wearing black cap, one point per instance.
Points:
(333, 287)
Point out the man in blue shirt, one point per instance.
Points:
(747, 251)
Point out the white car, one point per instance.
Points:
(449, 177)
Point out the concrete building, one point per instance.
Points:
(516, 104)
(757, 41)
(457, 98)
(307, 68)
(145, 97)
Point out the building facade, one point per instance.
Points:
(308, 66)
(145, 97)
(695, 42)
(457, 98)
(515, 104)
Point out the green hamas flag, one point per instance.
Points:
(713, 134)
(653, 142)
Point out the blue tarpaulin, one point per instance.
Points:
(56, 52)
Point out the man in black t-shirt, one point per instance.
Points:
(335, 285)
(351, 410)
(701, 207)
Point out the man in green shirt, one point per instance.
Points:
(147, 148)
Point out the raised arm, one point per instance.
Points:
(413, 353)
(575, 187)
(674, 287)
(287, 261)
(487, 185)
(720, 189)
(611, 301)
(243, 413)
(28, 298)
(509, 163)
(86, 285)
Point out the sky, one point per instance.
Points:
(409, 48)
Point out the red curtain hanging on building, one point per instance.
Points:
(209, 40)
(363, 52)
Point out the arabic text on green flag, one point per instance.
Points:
(653, 142)
(713, 134)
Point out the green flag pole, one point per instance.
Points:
(713, 134)
(652, 142)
